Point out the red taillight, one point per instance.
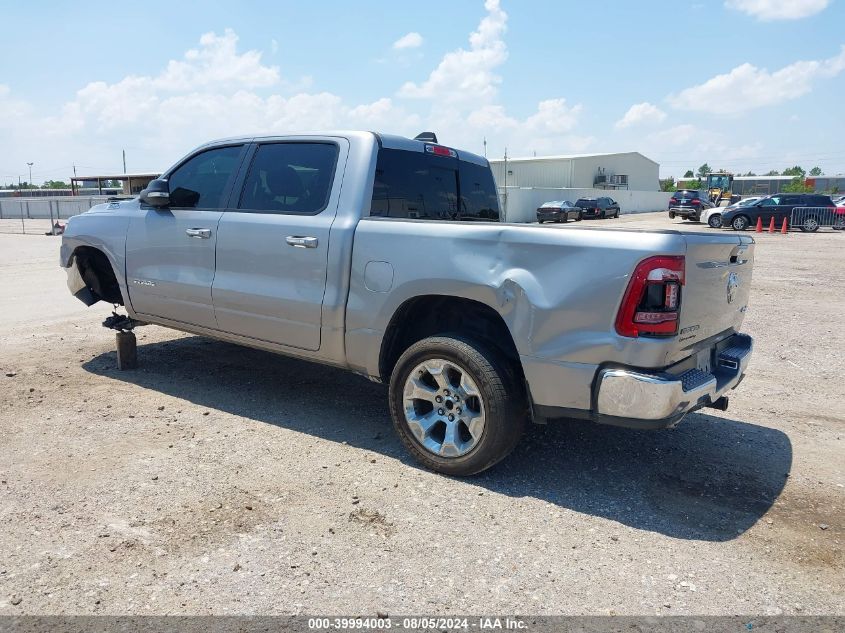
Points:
(695, 202)
(673, 200)
(652, 299)
(439, 150)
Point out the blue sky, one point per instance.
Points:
(741, 84)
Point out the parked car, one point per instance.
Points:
(558, 211)
(384, 256)
(601, 207)
(839, 220)
(689, 204)
(779, 207)
(713, 217)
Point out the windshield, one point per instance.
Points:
(686, 194)
(720, 182)
(585, 202)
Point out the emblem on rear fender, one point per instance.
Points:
(733, 285)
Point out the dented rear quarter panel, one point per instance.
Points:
(557, 289)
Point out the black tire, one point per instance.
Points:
(558, 221)
(505, 405)
(740, 223)
(715, 221)
(579, 217)
(540, 221)
(810, 224)
(671, 216)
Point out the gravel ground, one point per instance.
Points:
(217, 479)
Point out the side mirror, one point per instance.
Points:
(157, 193)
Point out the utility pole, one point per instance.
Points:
(30, 174)
(506, 186)
(124, 161)
(485, 147)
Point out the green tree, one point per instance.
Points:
(816, 171)
(797, 185)
(750, 173)
(703, 170)
(689, 174)
(55, 184)
(668, 184)
(794, 171)
(773, 172)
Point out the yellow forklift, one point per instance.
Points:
(719, 186)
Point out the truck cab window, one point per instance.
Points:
(290, 178)
(200, 182)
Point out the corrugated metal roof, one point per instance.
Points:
(570, 156)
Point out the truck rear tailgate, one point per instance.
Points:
(717, 286)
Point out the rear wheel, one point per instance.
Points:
(457, 406)
(740, 223)
(810, 224)
(671, 215)
(715, 221)
(579, 217)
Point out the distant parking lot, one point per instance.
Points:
(217, 479)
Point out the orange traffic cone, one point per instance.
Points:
(784, 229)
(772, 225)
(759, 225)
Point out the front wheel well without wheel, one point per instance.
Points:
(97, 273)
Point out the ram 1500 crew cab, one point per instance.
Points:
(386, 256)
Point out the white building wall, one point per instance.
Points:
(541, 173)
(577, 171)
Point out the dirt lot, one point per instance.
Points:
(216, 479)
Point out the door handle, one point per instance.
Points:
(202, 234)
(301, 242)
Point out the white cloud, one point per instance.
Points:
(641, 113)
(778, 9)
(217, 90)
(748, 87)
(467, 74)
(409, 40)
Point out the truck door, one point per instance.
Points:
(273, 241)
(170, 250)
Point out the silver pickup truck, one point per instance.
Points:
(385, 255)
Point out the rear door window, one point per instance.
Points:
(289, 178)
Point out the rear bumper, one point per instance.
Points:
(550, 215)
(635, 397)
(685, 212)
(650, 400)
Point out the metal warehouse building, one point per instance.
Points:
(625, 170)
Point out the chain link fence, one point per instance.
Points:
(39, 216)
